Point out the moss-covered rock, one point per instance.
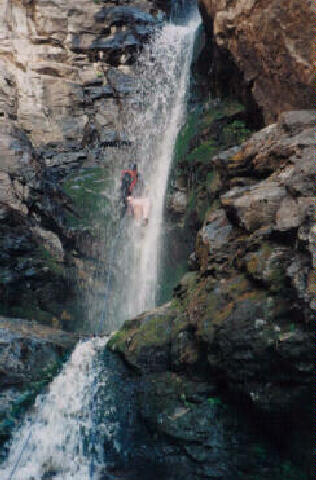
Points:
(207, 131)
(145, 341)
(269, 265)
(88, 189)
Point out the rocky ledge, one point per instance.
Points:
(241, 319)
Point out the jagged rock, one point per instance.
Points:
(150, 351)
(116, 44)
(124, 15)
(216, 230)
(271, 43)
(256, 206)
(17, 154)
(96, 92)
(269, 264)
(10, 199)
(243, 318)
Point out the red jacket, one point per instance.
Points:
(133, 174)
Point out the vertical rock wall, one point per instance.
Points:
(65, 72)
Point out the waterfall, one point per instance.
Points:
(152, 120)
(58, 438)
(52, 440)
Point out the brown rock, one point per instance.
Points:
(271, 42)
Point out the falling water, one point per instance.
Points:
(57, 439)
(53, 439)
(152, 121)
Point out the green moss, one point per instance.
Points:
(146, 331)
(186, 136)
(117, 341)
(155, 331)
(203, 153)
(206, 132)
(214, 401)
(180, 324)
(86, 188)
(50, 261)
(237, 286)
(235, 133)
(189, 149)
(227, 108)
(262, 261)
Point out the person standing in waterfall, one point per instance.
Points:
(139, 202)
(128, 182)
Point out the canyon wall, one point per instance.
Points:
(239, 325)
(66, 71)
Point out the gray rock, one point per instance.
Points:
(127, 15)
(97, 92)
(26, 348)
(118, 43)
(216, 231)
(121, 83)
(178, 201)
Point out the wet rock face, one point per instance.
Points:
(271, 44)
(66, 71)
(242, 318)
(30, 355)
(26, 348)
(49, 54)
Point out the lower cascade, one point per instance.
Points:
(54, 439)
(63, 437)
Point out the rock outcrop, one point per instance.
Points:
(271, 43)
(242, 317)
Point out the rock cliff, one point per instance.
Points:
(238, 327)
(271, 44)
(241, 319)
(66, 71)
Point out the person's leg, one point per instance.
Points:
(146, 208)
(137, 208)
(138, 212)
